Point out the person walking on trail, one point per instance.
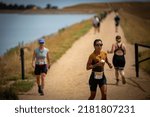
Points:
(41, 63)
(96, 62)
(96, 24)
(119, 51)
(117, 21)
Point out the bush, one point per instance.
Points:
(8, 93)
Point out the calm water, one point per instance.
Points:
(16, 28)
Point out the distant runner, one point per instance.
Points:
(41, 63)
(117, 21)
(119, 51)
(96, 24)
(96, 62)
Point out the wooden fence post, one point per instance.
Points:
(22, 63)
(136, 60)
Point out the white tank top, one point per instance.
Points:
(41, 56)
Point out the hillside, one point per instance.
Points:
(136, 7)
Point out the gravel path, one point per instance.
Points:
(68, 79)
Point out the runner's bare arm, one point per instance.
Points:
(112, 49)
(48, 60)
(108, 63)
(124, 49)
(90, 66)
(33, 59)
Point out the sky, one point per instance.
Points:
(59, 3)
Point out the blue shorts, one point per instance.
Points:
(40, 69)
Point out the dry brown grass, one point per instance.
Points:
(145, 65)
(10, 73)
(10, 64)
(136, 28)
(141, 9)
(57, 44)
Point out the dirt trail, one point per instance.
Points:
(68, 78)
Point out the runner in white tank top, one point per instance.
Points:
(41, 63)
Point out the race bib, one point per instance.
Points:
(41, 62)
(98, 75)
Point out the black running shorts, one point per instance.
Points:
(94, 82)
(119, 62)
(40, 69)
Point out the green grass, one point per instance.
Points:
(10, 91)
(13, 78)
(23, 86)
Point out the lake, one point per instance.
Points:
(15, 28)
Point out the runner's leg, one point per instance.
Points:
(103, 90)
(38, 80)
(38, 83)
(122, 76)
(42, 80)
(117, 76)
(92, 96)
(43, 75)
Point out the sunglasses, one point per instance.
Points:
(98, 44)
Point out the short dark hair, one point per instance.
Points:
(118, 37)
(96, 40)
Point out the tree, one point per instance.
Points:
(54, 7)
(15, 6)
(48, 6)
(21, 7)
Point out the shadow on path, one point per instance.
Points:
(135, 84)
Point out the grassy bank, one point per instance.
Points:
(145, 65)
(10, 73)
(136, 27)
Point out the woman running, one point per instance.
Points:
(96, 62)
(96, 24)
(119, 51)
(117, 21)
(41, 63)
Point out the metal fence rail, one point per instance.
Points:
(137, 62)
